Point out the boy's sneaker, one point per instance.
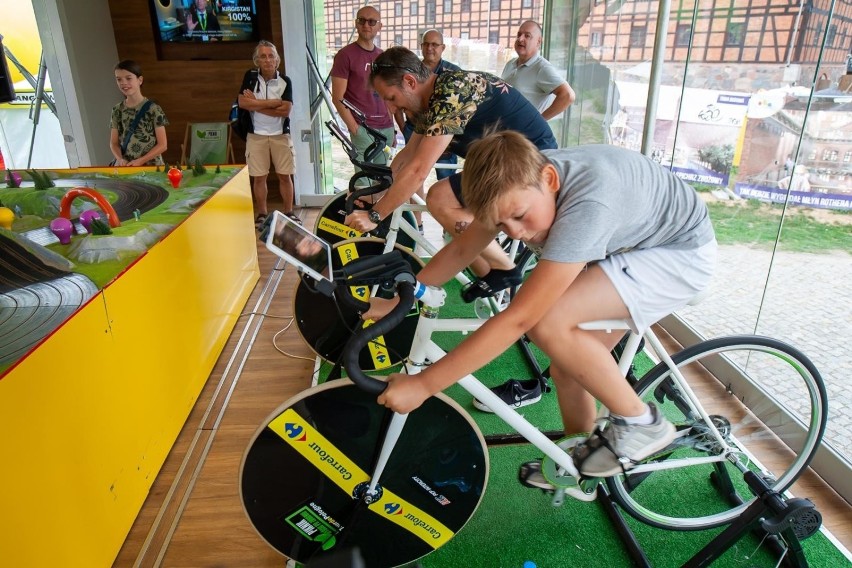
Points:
(515, 393)
(616, 446)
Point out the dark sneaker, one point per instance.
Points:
(532, 474)
(492, 283)
(616, 446)
(515, 393)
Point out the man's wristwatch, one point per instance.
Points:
(374, 216)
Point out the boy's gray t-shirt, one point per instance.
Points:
(613, 200)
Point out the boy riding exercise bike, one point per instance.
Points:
(620, 237)
(330, 469)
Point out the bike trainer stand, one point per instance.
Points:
(781, 523)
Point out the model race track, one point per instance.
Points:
(38, 293)
(130, 196)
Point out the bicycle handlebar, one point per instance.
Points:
(358, 193)
(379, 139)
(363, 336)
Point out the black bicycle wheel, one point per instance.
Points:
(326, 325)
(305, 464)
(768, 401)
(330, 227)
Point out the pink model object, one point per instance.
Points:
(102, 202)
(86, 218)
(62, 228)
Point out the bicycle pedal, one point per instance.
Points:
(482, 308)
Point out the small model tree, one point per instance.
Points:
(41, 180)
(100, 227)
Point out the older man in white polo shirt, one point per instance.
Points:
(535, 77)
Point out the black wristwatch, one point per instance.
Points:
(374, 216)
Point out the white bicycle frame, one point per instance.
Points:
(424, 349)
(396, 225)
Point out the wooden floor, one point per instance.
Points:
(193, 516)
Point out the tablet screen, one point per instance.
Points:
(299, 247)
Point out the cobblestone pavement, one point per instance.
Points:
(807, 303)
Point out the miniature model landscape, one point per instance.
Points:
(65, 235)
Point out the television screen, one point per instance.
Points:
(203, 21)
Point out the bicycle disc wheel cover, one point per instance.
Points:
(326, 326)
(331, 229)
(302, 467)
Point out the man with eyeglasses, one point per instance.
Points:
(535, 77)
(268, 95)
(432, 47)
(350, 74)
(449, 111)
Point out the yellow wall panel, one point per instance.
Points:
(88, 418)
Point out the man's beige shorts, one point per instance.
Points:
(263, 151)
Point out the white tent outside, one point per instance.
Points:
(635, 95)
(16, 133)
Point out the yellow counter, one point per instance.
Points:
(88, 418)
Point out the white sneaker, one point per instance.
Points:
(616, 446)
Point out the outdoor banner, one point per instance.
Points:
(708, 127)
(834, 201)
(705, 106)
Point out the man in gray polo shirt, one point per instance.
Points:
(535, 77)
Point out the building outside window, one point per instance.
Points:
(637, 35)
(735, 33)
(682, 35)
(596, 39)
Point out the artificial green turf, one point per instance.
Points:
(514, 524)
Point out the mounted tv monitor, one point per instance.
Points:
(208, 29)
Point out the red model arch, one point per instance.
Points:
(73, 193)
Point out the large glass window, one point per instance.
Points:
(752, 107)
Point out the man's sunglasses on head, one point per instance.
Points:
(377, 67)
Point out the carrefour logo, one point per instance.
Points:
(393, 509)
(331, 460)
(295, 432)
(337, 228)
